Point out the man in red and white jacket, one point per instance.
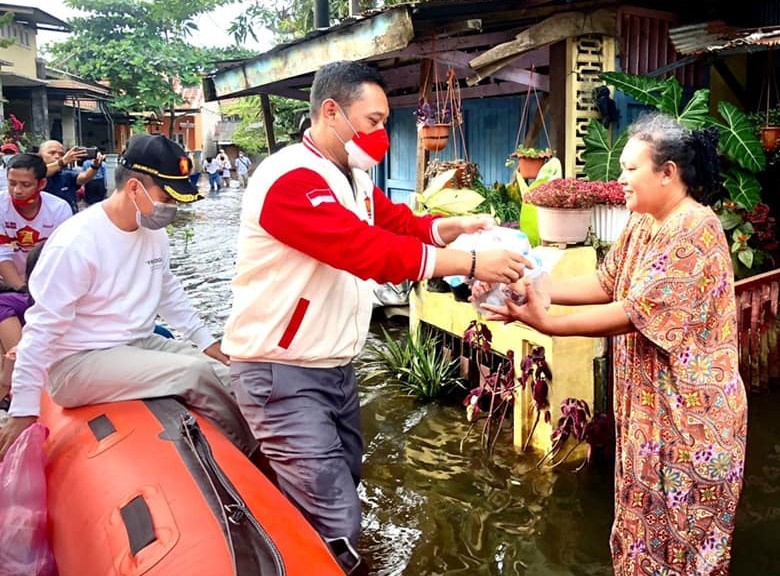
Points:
(314, 230)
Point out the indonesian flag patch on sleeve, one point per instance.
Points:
(321, 196)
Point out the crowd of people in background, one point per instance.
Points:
(78, 175)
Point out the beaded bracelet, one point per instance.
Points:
(473, 263)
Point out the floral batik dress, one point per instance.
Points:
(680, 406)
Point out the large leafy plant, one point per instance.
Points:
(738, 141)
(439, 198)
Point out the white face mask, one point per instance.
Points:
(162, 214)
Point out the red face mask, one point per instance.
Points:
(365, 151)
(21, 202)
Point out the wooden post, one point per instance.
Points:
(422, 154)
(268, 122)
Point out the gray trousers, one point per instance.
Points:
(308, 423)
(152, 367)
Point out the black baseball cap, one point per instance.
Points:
(163, 160)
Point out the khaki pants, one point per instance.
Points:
(152, 367)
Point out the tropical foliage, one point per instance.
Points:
(738, 141)
(290, 19)
(417, 365)
(752, 235)
(440, 199)
(576, 423)
(143, 49)
(493, 391)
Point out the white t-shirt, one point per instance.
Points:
(96, 286)
(18, 235)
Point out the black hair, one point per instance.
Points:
(695, 152)
(32, 162)
(343, 82)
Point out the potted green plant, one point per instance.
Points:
(767, 123)
(610, 214)
(752, 235)
(433, 124)
(564, 209)
(529, 160)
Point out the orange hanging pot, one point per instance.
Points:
(529, 167)
(770, 137)
(434, 136)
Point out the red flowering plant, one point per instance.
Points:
(566, 193)
(607, 193)
(752, 235)
(13, 132)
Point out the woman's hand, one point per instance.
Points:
(533, 313)
(479, 289)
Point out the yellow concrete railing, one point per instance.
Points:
(570, 359)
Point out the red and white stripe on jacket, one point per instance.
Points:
(309, 241)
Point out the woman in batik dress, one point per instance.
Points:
(666, 292)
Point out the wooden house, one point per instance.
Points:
(502, 53)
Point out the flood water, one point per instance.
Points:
(431, 508)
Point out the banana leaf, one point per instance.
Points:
(643, 88)
(602, 158)
(738, 139)
(743, 187)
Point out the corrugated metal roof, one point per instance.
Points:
(70, 84)
(716, 36)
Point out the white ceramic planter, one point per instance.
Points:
(562, 225)
(609, 221)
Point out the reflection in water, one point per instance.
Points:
(430, 508)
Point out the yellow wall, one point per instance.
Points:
(22, 52)
(719, 90)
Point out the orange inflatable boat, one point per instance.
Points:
(147, 488)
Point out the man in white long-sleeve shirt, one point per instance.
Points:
(90, 331)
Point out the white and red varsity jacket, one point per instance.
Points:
(308, 243)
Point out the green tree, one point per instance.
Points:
(250, 134)
(292, 19)
(142, 49)
(287, 20)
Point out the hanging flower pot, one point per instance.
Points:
(565, 225)
(530, 160)
(770, 137)
(529, 167)
(434, 136)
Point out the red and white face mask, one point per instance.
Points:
(22, 202)
(364, 151)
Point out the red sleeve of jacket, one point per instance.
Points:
(301, 210)
(400, 219)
